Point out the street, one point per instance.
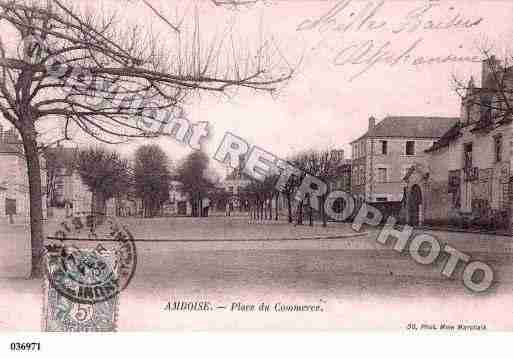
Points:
(351, 276)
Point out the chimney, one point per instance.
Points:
(372, 123)
(488, 66)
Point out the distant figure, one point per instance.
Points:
(229, 208)
(205, 204)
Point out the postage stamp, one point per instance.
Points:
(62, 314)
(86, 271)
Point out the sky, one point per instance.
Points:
(329, 100)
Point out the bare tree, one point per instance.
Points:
(105, 173)
(491, 103)
(80, 69)
(260, 194)
(288, 189)
(323, 165)
(320, 164)
(192, 172)
(299, 161)
(152, 178)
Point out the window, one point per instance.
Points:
(384, 147)
(382, 175)
(381, 199)
(498, 148)
(467, 155)
(410, 148)
(230, 189)
(10, 206)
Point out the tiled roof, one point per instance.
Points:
(411, 126)
(451, 134)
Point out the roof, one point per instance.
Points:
(411, 127)
(451, 134)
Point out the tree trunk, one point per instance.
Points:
(276, 204)
(289, 207)
(271, 207)
(36, 200)
(300, 213)
(98, 207)
(323, 212)
(310, 212)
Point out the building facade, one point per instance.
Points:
(383, 155)
(14, 187)
(467, 179)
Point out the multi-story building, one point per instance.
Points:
(467, 179)
(382, 156)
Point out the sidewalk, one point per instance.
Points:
(465, 230)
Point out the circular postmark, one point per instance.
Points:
(92, 258)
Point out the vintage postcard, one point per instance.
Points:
(255, 165)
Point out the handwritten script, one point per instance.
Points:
(348, 16)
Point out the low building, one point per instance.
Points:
(467, 178)
(14, 187)
(382, 156)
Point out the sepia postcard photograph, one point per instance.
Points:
(255, 165)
